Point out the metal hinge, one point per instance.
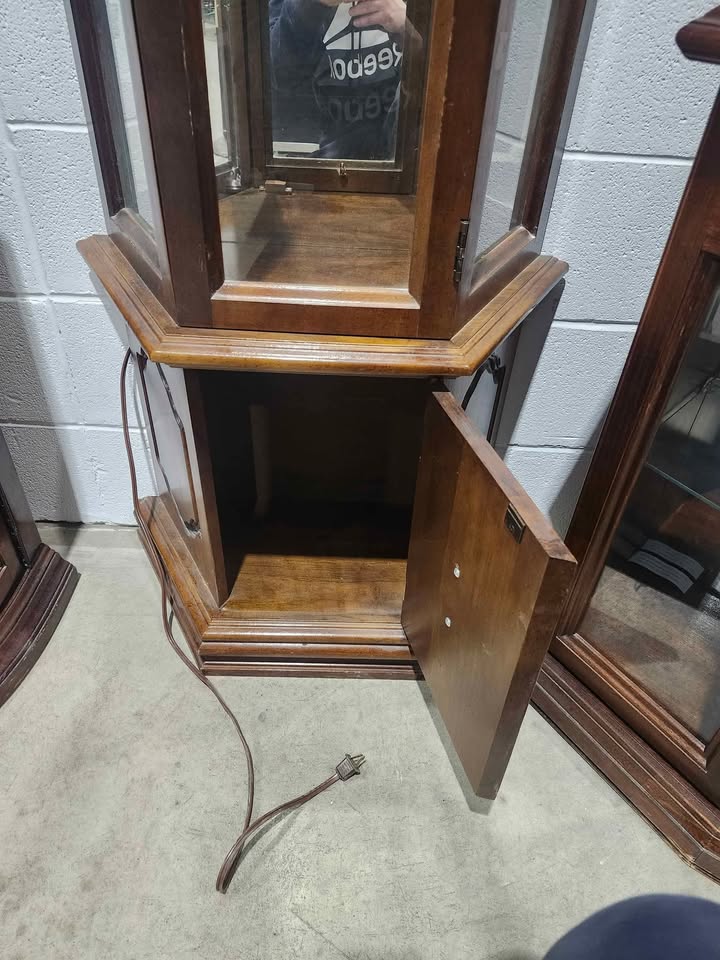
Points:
(460, 250)
(514, 523)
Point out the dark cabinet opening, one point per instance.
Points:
(314, 481)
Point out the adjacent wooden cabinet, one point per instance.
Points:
(35, 583)
(634, 675)
(311, 222)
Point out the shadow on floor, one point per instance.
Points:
(475, 803)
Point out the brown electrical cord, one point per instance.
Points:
(345, 769)
(231, 861)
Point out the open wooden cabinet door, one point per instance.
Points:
(486, 580)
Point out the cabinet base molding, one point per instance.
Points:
(30, 616)
(299, 645)
(689, 822)
(318, 669)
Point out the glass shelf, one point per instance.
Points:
(712, 464)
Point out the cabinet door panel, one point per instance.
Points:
(487, 576)
(176, 427)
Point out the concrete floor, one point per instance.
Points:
(123, 788)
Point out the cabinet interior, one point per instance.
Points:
(315, 238)
(656, 608)
(314, 481)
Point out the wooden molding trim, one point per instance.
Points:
(689, 823)
(382, 635)
(336, 671)
(631, 702)
(32, 613)
(192, 347)
(700, 40)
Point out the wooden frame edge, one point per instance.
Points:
(682, 816)
(30, 619)
(700, 39)
(331, 671)
(204, 348)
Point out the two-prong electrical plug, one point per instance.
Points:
(349, 766)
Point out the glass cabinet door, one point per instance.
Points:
(538, 45)
(656, 610)
(133, 160)
(496, 213)
(315, 111)
(105, 37)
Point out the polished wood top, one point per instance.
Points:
(313, 238)
(700, 39)
(206, 348)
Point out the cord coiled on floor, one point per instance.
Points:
(347, 767)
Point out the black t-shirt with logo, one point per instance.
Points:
(337, 83)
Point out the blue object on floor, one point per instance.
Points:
(646, 928)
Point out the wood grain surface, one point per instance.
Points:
(165, 342)
(30, 615)
(480, 607)
(689, 822)
(317, 239)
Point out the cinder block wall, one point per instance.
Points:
(640, 112)
(59, 353)
(639, 116)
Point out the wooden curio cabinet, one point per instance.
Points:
(312, 220)
(634, 675)
(36, 584)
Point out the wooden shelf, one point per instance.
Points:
(332, 585)
(319, 623)
(327, 565)
(307, 569)
(317, 239)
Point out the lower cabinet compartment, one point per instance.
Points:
(289, 614)
(314, 482)
(364, 528)
(340, 562)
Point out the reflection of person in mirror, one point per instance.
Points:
(351, 56)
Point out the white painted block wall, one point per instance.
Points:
(59, 353)
(639, 116)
